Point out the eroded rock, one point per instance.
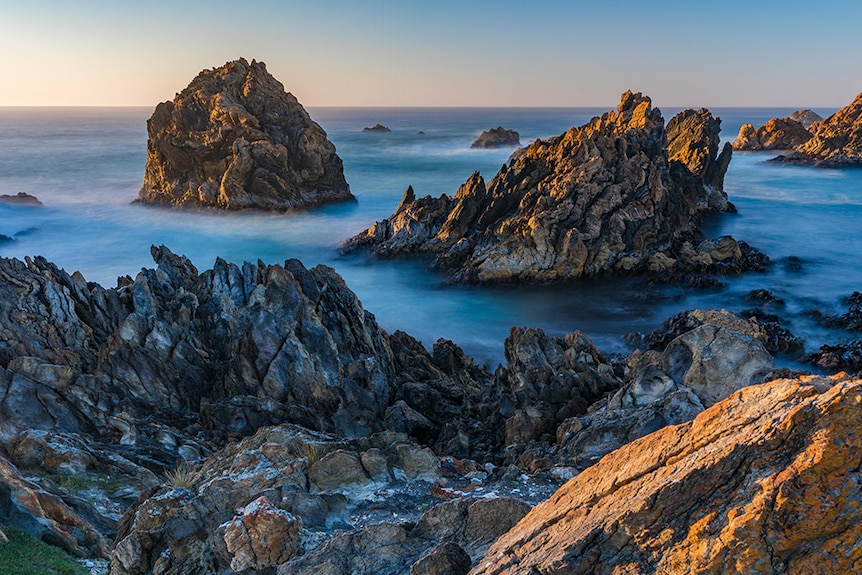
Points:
(497, 138)
(234, 139)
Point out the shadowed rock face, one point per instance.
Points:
(604, 198)
(235, 139)
(806, 117)
(497, 138)
(835, 142)
(765, 481)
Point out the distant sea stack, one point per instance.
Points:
(376, 128)
(835, 142)
(619, 195)
(776, 134)
(806, 117)
(234, 139)
(498, 137)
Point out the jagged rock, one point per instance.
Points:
(597, 200)
(262, 536)
(693, 137)
(806, 117)
(497, 138)
(445, 559)
(776, 134)
(235, 139)
(836, 141)
(839, 357)
(764, 482)
(21, 198)
(377, 128)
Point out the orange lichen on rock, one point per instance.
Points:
(765, 481)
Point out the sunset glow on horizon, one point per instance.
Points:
(387, 53)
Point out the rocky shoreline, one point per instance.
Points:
(253, 418)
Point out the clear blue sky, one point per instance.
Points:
(441, 53)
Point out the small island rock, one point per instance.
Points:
(21, 198)
(376, 128)
(235, 139)
(497, 138)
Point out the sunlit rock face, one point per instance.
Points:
(235, 139)
(619, 195)
(835, 142)
(765, 481)
(776, 134)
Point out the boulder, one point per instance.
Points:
(234, 139)
(776, 134)
(601, 199)
(764, 481)
(836, 141)
(498, 137)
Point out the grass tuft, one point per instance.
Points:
(184, 476)
(26, 555)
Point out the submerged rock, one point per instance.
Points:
(836, 141)
(763, 481)
(497, 138)
(234, 139)
(605, 198)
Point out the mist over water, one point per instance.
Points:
(86, 166)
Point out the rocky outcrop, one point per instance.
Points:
(776, 134)
(605, 198)
(498, 137)
(261, 505)
(376, 128)
(836, 141)
(234, 139)
(21, 198)
(806, 117)
(764, 481)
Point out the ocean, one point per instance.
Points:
(86, 165)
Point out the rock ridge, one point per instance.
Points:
(619, 195)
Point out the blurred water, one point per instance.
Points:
(86, 165)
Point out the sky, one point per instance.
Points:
(442, 53)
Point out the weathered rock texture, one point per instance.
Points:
(21, 198)
(618, 195)
(764, 482)
(836, 141)
(497, 138)
(776, 134)
(235, 139)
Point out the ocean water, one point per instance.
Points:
(86, 165)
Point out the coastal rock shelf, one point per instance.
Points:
(835, 142)
(620, 195)
(234, 139)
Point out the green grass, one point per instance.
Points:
(25, 555)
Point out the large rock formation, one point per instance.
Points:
(776, 134)
(235, 139)
(836, 141)
(619, 195)
(497, 138)
(764, 482)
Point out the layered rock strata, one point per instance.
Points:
(620, 195)
(763, 482)
(234, 139)
(835, 142)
